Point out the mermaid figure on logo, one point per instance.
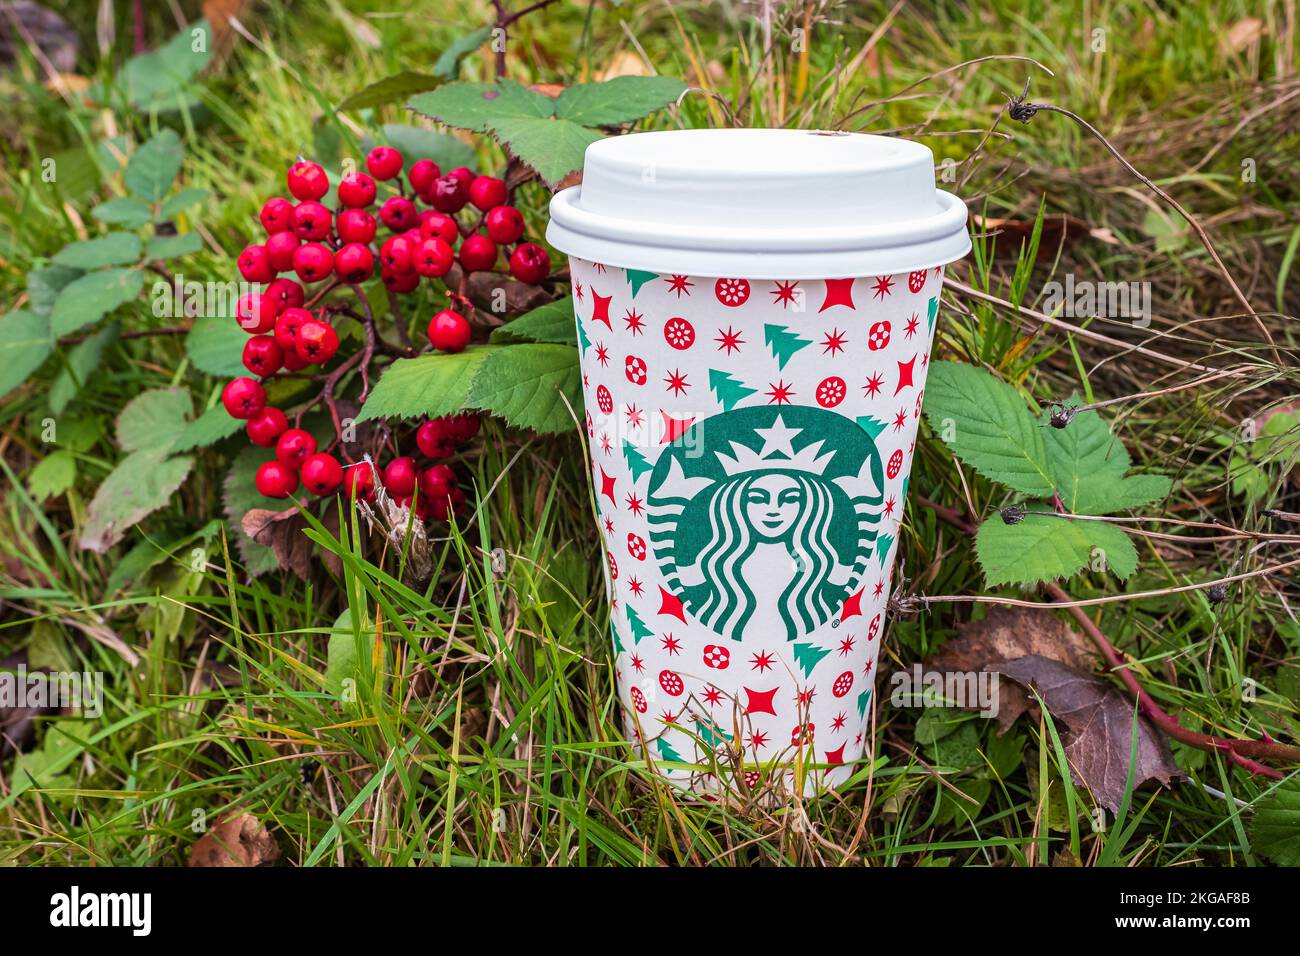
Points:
(766, 537)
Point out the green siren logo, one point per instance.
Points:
(766, 514)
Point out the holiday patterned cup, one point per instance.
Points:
(755, 311)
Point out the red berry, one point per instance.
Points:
(448, 331)
(478, 253)
(449, 194)
(530, 263)
(422, 174)
(285, 293)
(441, 508)
(384, 162)
(436, 225)
(464, 174)
(463, 427)
(262, 355)
(356, 190)
(293, 362)
(355, 225)
(434, 439)
(398, 214)
(255, 312)
(312, 221)
(322, 474)
(504, 224)
(266, 427)
(401, 282)
(485, 192)
(313, 262)
(399, 477)
(316, 341)
(295, 447)
(436, 482)
(354, 263)
(434, 258)
(397, 254)
(307, 181)
(274, 480)
(286, 328)
(276, 215)
(280, 248)
(359, 481)
(255, 264)
(243, 398)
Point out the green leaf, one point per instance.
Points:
(620, 100)
(1098, 498)
(83, 359)
(45, 284)
(153, 419)
(115, 249)
(1088, 462)
(182, 201)
(25, 343)
(986, 424)
(52, 476)
(141, 484)
(527, 386)
(1044, 547)
(239, 494)
(552, 323)
(216, 346)
(476, 106)
(154, 166)
(429, 385)
(341, 654)
(93, 296)
(170, 247)
(444, 149)
(390, 89)
(553, 147)
(1275, 829)
(159, 80)
(123, 211)
(208, 429)
(448, 64)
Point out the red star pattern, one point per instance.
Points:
(602, 353)
(852, 606)
(846, 645)
(761, 661)
(635, 322)
(635, 504)
(838, 292)
(834, 342)
(839, 721)
(671, 604)
(712, 696)
(636, 587)
(671, 644)
(600, 309)
(668, 718)
(757, 740)
(679, 284)
(761, 701)
(806, 695)
(889, 506)
(879, 589)
(674, 428)
(780, 393)
(607, 486)
(912, 324)
(905, 370)
(577, 290)
(634, 416)
(605, 444)
(676, 382)
(835, 757)
(609, 525)
(730, 339)
(884, 286)
(637, 663)
(872, 387)
(785, 293)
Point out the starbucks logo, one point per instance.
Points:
(766, 514)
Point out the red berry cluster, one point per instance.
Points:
(318, 244)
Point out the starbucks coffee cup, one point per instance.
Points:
(755, 310)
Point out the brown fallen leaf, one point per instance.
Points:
(1098, 730)
(282, 531)
(239, 840)
(499, 297)
(1244, 33)
(1005, 634)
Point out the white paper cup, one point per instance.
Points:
(755, 310)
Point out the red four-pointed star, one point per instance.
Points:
(873, 384)
(635, 321)
(680, 285)
(600, 310)
(761, 701)
(671, 644)
(761, 661)
(730, 339)
(634, 504)
(838, 292)
(785, 293)
(669, 603)
(674, 428)
(834, 342)
(607, 486)
(676, 382)
(905, 374)
(852, 606)
(884, 286)
(779, 394)
(836, 757)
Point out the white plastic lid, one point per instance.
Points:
(759, 203)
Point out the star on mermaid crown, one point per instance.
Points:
(777, 452)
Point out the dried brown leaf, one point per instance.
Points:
(282, 532)
(239, 840)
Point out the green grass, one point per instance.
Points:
(485, 728)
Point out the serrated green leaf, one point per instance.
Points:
(552, 323)
(416, 141)
(115, 249)
(1088, 461)
(140, 484)
(216, 346)
(1044, 547)
(1109, 549)
(448, 64)
(153, 419)
(620, 100)
(184, 200)
(25, 342)
(390, 89)
(476, 106)
(83, 359)
(93, 296)
(52, 476)
(987, 425)
(528, 385)
(1121, 494)
(429, 385)
(170, 247)
(154, 166)
(1275, 828)
(553, 147)
(45, 284)
(124, 211)
(208, 429)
